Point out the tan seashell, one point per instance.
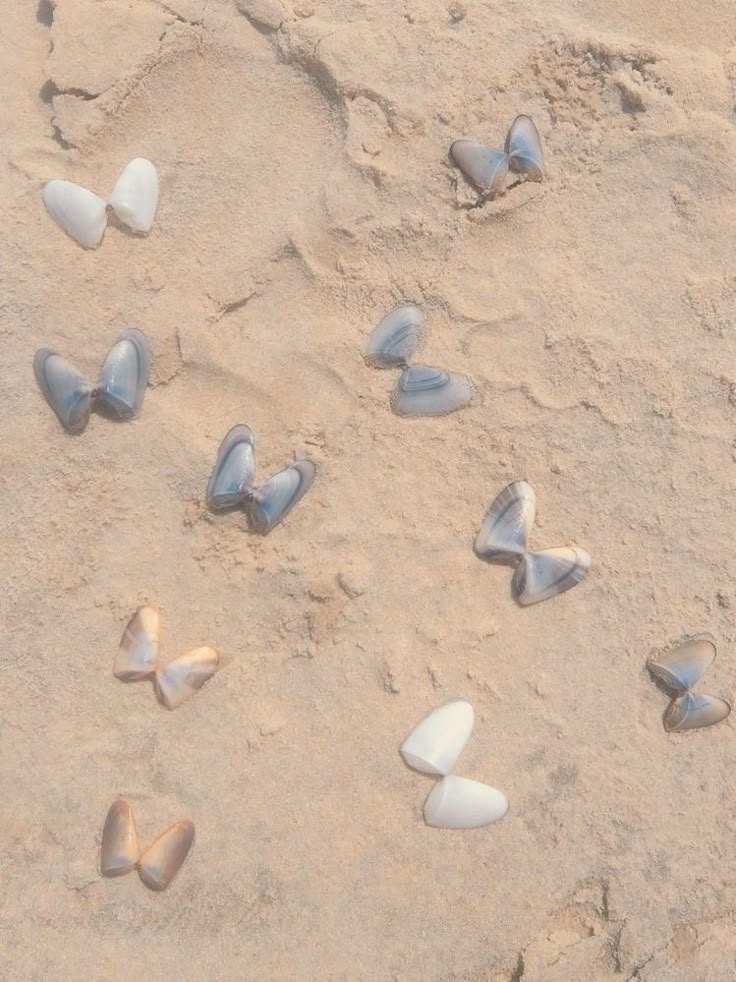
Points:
(119, 851)
(184, 675)
(160, 863)
(138, 652)
(694, 711)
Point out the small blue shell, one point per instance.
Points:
(425, 391)
(124, 376)
(232, 476)
(67, 391)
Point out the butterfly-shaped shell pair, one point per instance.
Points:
(487, 168)
(421, 390)
(231, 482)
(138, 655)
(120, 388)
(504, 538)
(433, 748)
(678, 670)
(159, 864)
(83, 214)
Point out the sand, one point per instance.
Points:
(305, 189)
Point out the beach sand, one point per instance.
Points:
(305, 189)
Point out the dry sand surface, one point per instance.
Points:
(305, 189)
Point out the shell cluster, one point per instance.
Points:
(504, 538)
(678, 670)
(488, 168)
(83, 214)
(137, 659)
(120, 852)
(433, 748)
(421, 389)
(119, 390)
(231, 483)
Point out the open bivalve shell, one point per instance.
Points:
(459, 803)
(160, 863)
(119, 851)
(134, 198)
(395, 339)
(694, 711)
(681, 667)
(269, 504)
(81, 213)
(547, 573)
(234, 470)
(137, 655)
(426, 391)
(508, 523)
(435, 745)
(65, 389)
(484, 166)
(181, 678)
(524, 148)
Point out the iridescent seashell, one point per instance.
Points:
(181, 678)
(681, 667)
(134, 198)
(271, 503)
(524, 149)
(66, 390)
(459, 803)
(160, 863)
(81, 213)
(119, 851)
(426, 391)
(137, 655)
(395, 339)
(507, 525)
(234, 470)
(124, 376)
(484, 166)
(693, 711)
(436, 743)
(544, 574)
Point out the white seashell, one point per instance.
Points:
(181, 678)
(435, 745)
(134, 198)
(81, 213)
(459, 803)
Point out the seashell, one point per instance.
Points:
(119, 850)
(395, 339)
(435, 745)
(508, 523)
(184, 675)
(124, 375)
(525, 149)
(134, 198)
(81, 213)
(544, 574)
(425, 391)
(484, 166)
(681, 667)
(137, 655)
(67, 391)
(459, 803)
(234, 470)
(693, 711)
(272, 502)
(160, 863)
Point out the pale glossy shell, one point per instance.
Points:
(234, 470)
(181, 678)
(134, 198)
(694, 711)
(426, 391)
(459, 803)
(547, 573)
(124, 376)
(66, 390)
(484, 166)
(435, 745)
(137, 655)
(508, 523)
(160, 863)
(272, 502)
(81, 213)
(681, 667)
(524, 148)
(395, 339)
(119, 851)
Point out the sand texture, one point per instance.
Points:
(305, 190)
